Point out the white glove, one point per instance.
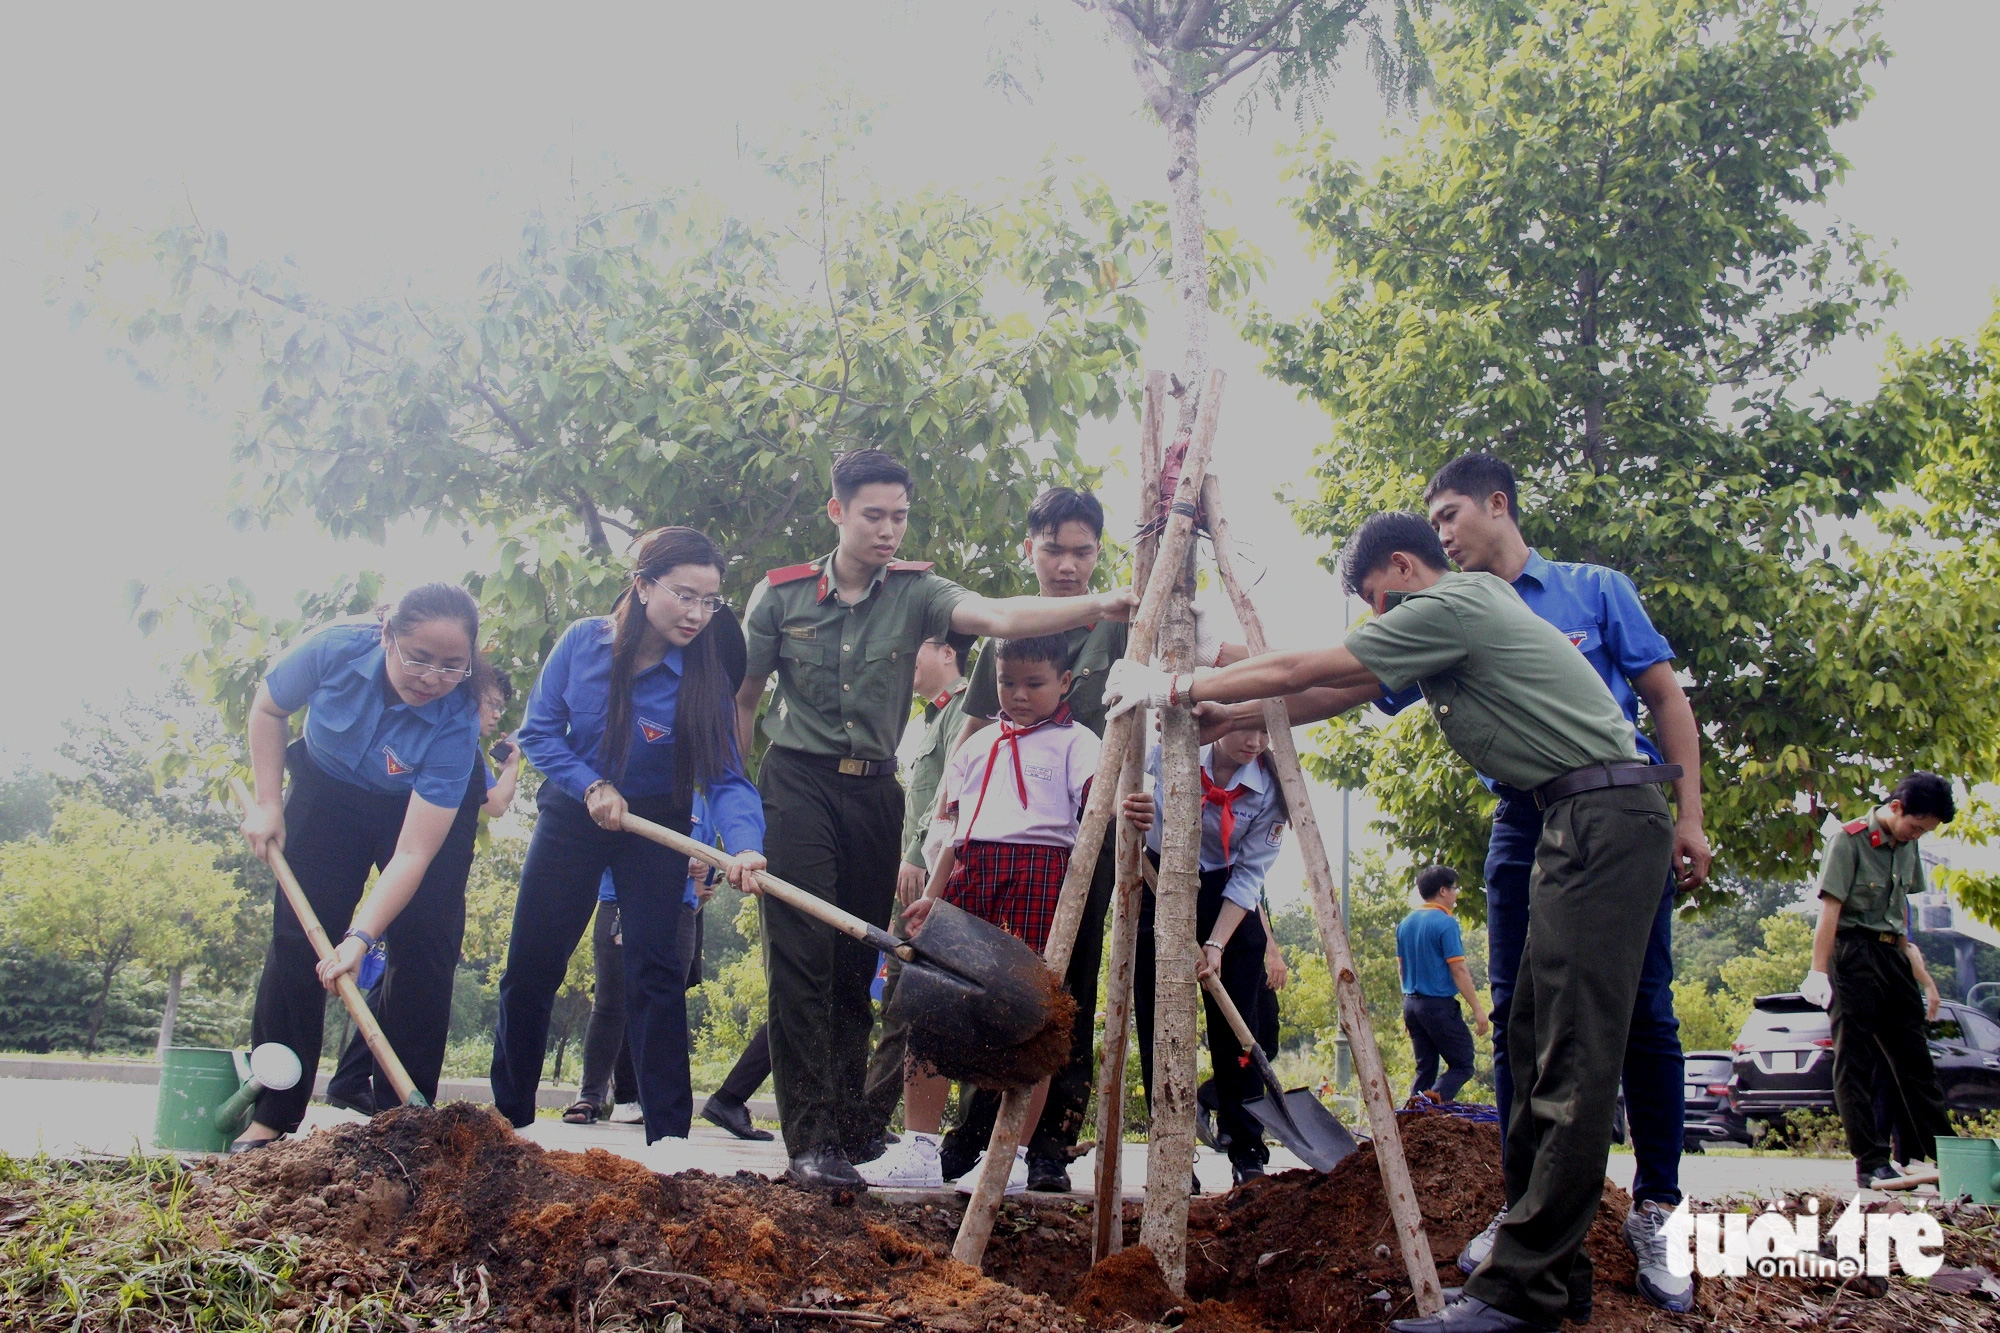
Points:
(1207, 643)
(1817, 989)
(1131, 685)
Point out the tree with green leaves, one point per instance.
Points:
(654, 358)
(112, 890)
(1591, 260)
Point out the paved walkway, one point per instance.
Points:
(74, 1117)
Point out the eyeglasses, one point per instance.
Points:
(710, 604)
(422, 668)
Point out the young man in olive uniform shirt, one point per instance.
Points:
(1065, 538)
(1866, 969)
(842, 633)
(1519, 703)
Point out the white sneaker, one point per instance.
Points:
(1017, 1179)
(909, 1165)
(627, 1113)
(1480, 1247)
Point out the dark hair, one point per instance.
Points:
(1381, 536)
(1433, 880)
(434, 601)
(1477, 476)
(960, 645)
(705, 712)
(1926, 794)
(486, 676)
(1050, 648)
(867, 467)
(1059, 505)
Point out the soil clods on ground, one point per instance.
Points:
(452, 1201)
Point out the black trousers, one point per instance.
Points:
(335, 833)
(1881, 1047)
(750, 1070)
(838, 837)
(883, 1088)
(1243, 977)
(1437, 1028)
(608, 1075)
(1592, 898)
(1071, 1087)
(566, 859)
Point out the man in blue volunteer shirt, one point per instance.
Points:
(1430, 961)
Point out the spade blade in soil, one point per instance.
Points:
(1302, 1124)
(971, 976)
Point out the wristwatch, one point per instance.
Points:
(355, 933)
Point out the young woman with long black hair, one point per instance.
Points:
(380, 780)
(632, 712)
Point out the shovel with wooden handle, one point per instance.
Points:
(1296, 1118)
(961, 975)
(350, 994)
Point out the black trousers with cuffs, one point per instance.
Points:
(566, 860)
(839, 837)
(335, 833)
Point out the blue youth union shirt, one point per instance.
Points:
(1599, 611)
(1427, 941)
(562, 732)
(357, 730)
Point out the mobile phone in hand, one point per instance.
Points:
(502, 751)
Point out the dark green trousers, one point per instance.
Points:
(884, 1087)
(1591, 899)
(838, 837)
(1880, 1043)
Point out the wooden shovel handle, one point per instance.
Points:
(790, 895)
(1213, 985)
(350, 994)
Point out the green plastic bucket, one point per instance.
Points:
(194, 1082)
(1969, 1166)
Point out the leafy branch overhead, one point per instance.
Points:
(1591, 259)
(654, 358)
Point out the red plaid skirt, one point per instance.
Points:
(1014, 885)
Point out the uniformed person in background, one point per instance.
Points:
(1065, 538)
(842, 634)
(1866, 969)
(1519, 703)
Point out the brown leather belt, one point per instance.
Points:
(1599, 776)
(853, 768)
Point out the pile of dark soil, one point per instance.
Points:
(452, 1203)
(962, 1057)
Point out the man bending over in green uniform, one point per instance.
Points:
(842, 633)
(1520, 704)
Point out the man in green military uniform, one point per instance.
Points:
(1520, 704)
(1065, 538)
(941, 684)
(842, 634)
(1866, 969)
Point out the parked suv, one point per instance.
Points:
(1783, 1058)
(1710, 1118)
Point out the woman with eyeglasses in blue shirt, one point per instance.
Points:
(632, 712)
(380, 780)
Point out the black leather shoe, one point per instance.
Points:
(251, 1145)
(825, 1168)
(734, 1117)
(870, 1150)
(1469, 1314)
(954, 1159)
(1243, 1173)
(1048, 1175)
(1870, 1180)
(1581, 1304)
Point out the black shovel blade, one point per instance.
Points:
(970, 976)
(1306, 1127)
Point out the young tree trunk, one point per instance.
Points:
(1170, 1154)
(108, 971)
(1190, 239)
(171, 1012)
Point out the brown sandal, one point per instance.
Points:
(580, 1112)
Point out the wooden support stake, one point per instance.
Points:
(1107, 1219)
(1375, 1095)
(976, 1227)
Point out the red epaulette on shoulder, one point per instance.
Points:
(1855, 826)
(911, 566)
(792, 574)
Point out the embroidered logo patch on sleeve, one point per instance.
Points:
(654, 732)
(397, 768)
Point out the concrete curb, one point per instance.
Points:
(148, 1072)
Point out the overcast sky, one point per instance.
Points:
(389, 144)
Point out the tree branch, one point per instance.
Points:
(1158, 95)
(1191, 21)
(593, 523)
(525, 440)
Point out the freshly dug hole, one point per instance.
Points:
(960, 1056)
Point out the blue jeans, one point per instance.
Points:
(1654, 1105)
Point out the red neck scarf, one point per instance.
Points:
(1010, 736)
(1214, 795)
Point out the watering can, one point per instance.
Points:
(207, 1096)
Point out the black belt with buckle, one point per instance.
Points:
(1872, 936)
(852, 768)
(1599, 776)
